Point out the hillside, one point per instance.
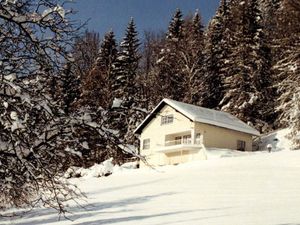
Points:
(257, 188)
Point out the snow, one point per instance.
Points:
(261, 189)
(293, 68)
(60, 10)
(11, 1)
(97, 170)
(17, 125)
(278, 140)
(117, 103)
(129, 148)
(85, 145)
(12, 77)
(253, 99)
(72, 151)
(231, 187)
(14, 115)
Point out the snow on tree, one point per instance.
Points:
(124, 80)
(175, 27)
(125, 68)
(287, 67)
(216, 56)
(168, 72)
(248, 77)
(69, 91)
(192, 57)
(37, 137)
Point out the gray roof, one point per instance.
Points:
(202, 115)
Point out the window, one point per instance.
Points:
(178, 140)
(166, 119)
(198, 138)
(241, 145)
(186, 139)
(146, 143)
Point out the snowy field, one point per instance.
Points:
(260, 188)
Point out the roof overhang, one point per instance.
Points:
(153, 114)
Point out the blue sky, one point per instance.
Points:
(148, 14)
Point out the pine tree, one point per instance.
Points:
(169, 75)
(69, 88)
(124, 114)
(192, 57)
(287, 67)
(175, 27)
(216, 54)
(248, 80)
(126, 67)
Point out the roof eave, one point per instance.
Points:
(137, 130)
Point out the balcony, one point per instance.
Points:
(179, 144)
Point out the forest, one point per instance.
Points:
(73, 98)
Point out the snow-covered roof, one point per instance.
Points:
(202, 115)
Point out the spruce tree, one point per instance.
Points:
(287, 68)
(124, 114)
(216, 54)
(192, 57)
(69, 90)
(126, 67)
(169, 76)
(248, 80)
(175, 27)
(105, 61)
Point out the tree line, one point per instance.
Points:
(245, 62)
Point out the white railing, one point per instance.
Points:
(182, 142)
(179, 142)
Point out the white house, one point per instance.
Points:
(176, 132)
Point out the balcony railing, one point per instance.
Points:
(182, 142)
(178, 145)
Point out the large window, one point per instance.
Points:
(146, 143)
(241, 145)
(167, 119)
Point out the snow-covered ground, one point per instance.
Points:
(260, 188)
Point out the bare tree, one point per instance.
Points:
(85, 52)
(35, 135)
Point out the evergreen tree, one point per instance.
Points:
(124, 114)
(126, 67)
(287, 67)
(217, 45)
(169, 75)
(175, 27)
(248, 80)
(192, 57)
(69, 88)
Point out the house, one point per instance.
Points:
(176, 132)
